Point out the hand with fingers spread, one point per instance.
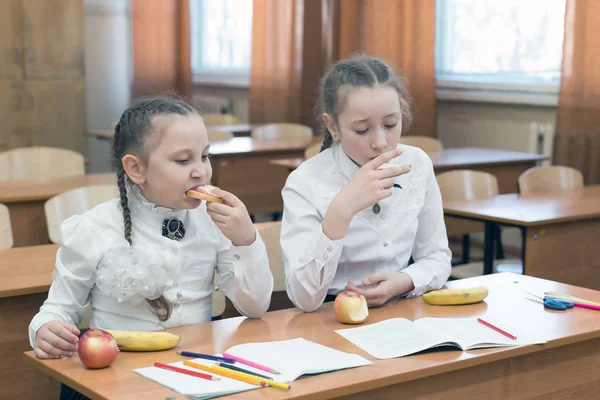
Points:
(388, 285)
(369, 186)
(232, 219)
(56, 339)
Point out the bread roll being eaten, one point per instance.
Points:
(204, 193)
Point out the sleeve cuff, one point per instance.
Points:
(420, 278)
(244, 256)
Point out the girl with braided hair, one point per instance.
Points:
(357, 213)
(147, 260)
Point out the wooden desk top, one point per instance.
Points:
(469, 157)
(236, 129)
(249, 146)
(533, 209)
(15, 191)
(505, 301)
(460, 157)
(26, 270)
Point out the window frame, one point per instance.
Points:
(472, 88)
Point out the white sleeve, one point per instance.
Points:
(431, 254)
(245, 276)
(305, 248)
(75, 269)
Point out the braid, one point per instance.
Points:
(124, 204)
(327, 140)
(129, 137)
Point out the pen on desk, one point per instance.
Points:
(508, 335)
(186, 371)
(238, 369)
(206, 357)
(251, 364)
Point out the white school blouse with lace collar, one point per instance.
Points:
(410, 223)
(244, 273)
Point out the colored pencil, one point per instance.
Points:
(186, 371)
(508, 335)
(585, 305)
(251, 364)
(238, 369)
(206, 357)
(240, 376)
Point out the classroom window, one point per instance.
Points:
(508, 51)
(221, 40)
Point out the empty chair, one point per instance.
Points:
(215, 135)
(74, 202)
(461, 185)
(6, 236)
(548, 178)
(270, 235)
(427, 144)
(282, 131)
(220, 119)
(40, 162)
(218, 300)
(312, 150)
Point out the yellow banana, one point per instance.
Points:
(447, 297)
(144, 341)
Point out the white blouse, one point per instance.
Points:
(244, 273)
(410, 223)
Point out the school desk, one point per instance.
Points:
(241, 166)
(236, 129)
(25, 276)
(561, 231)
(506, 166)
(567, 365)
(25, 201)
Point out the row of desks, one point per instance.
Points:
(566, 366)
(242, 166)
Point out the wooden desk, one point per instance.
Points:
(25, 201)
(241, 166)
(567, 365)
(25, 276)
(506, 166)
(560, 231)
(237, 130)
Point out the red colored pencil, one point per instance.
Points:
(508, 335)
(186, 371)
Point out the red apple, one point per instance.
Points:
(351, 308)
(97, 348)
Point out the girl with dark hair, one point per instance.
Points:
(348, 223)
(147, 260)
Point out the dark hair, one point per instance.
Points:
(131, 137)
(358, 71)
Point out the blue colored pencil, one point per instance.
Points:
(206, 357)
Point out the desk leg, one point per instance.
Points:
(488, 247)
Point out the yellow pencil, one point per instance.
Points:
(570, 298)
(240, 376)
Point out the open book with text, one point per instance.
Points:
(398, 337)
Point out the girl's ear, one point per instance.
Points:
(331, 126)
(134, 168)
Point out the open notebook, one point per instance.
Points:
(292, 358)
(398, 337)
